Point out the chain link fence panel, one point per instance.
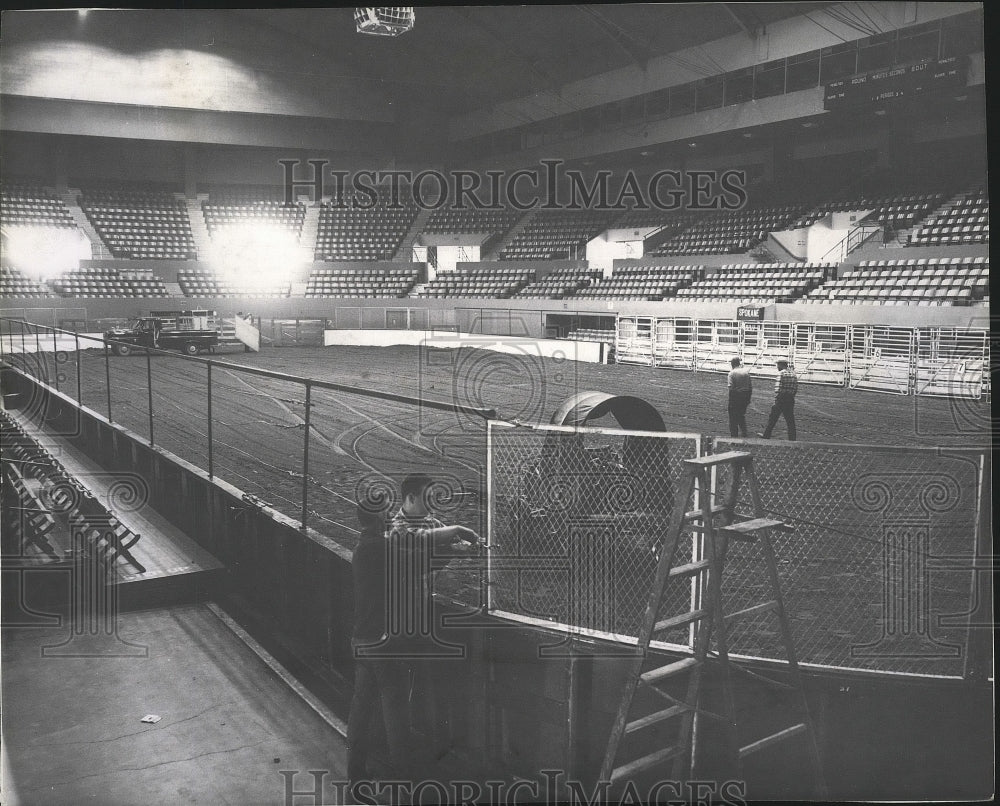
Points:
(577, 520)
(877, 574)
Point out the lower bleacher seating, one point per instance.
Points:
(358, 283)
(758, 283)
(95, 283)
(14, 283)
(922, 281)
(196, 283)
(49, 515)
(605, 336)
(643, 283)
(476, 282)
(559, 283)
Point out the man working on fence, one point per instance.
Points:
(393, 605)
(740, 391)
(785, 388)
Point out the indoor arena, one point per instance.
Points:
(575, 404)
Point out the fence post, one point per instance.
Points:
(79, 370)
(55, 358)
(21, 323)
(305, 456)
(211, 464)
(107, 377)
(38, 348)
(149, 388)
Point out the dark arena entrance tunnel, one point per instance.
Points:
(631, 413)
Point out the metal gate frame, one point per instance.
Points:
(954, 370)
(773, 342)
(816, 362)
(716, 342)
(631, 347)
(889, 359)
(881, 359)
(668, 350)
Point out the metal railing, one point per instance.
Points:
(854, 238)
(161, 400)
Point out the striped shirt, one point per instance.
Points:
(786, 384)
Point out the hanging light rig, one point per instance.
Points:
(384, 21)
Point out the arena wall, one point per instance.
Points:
(504, 317)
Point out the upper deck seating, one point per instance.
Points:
(33, 206)
(139, 224)
(350, 229)
(966, 220)
(556, 234)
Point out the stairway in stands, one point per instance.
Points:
(199, 229)
(901, 237)
(405, 252)
(508, 237)
(310, 230)
(70, 197)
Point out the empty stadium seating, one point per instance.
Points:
(643, 283)
(350, 231)
(656, 218)
(198, 283)
(556, 234)
(559, 283)
(894, 211)
(922, 281)
(356, 283)
(140, 224)
(106, 282)
(966, 220)
(252, 206)
(477, 282)
(15, 284)
(29, 205)
(471, 221)
(606, 336)
(730, 232)
(760, 283)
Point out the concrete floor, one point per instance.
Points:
(72, 732)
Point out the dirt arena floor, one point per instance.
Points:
(356, 440)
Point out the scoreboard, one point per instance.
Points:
(907, 81)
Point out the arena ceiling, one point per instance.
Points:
(481, 54)
(457, 58)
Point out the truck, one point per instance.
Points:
(190, 332)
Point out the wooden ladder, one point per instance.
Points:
(706, 617)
